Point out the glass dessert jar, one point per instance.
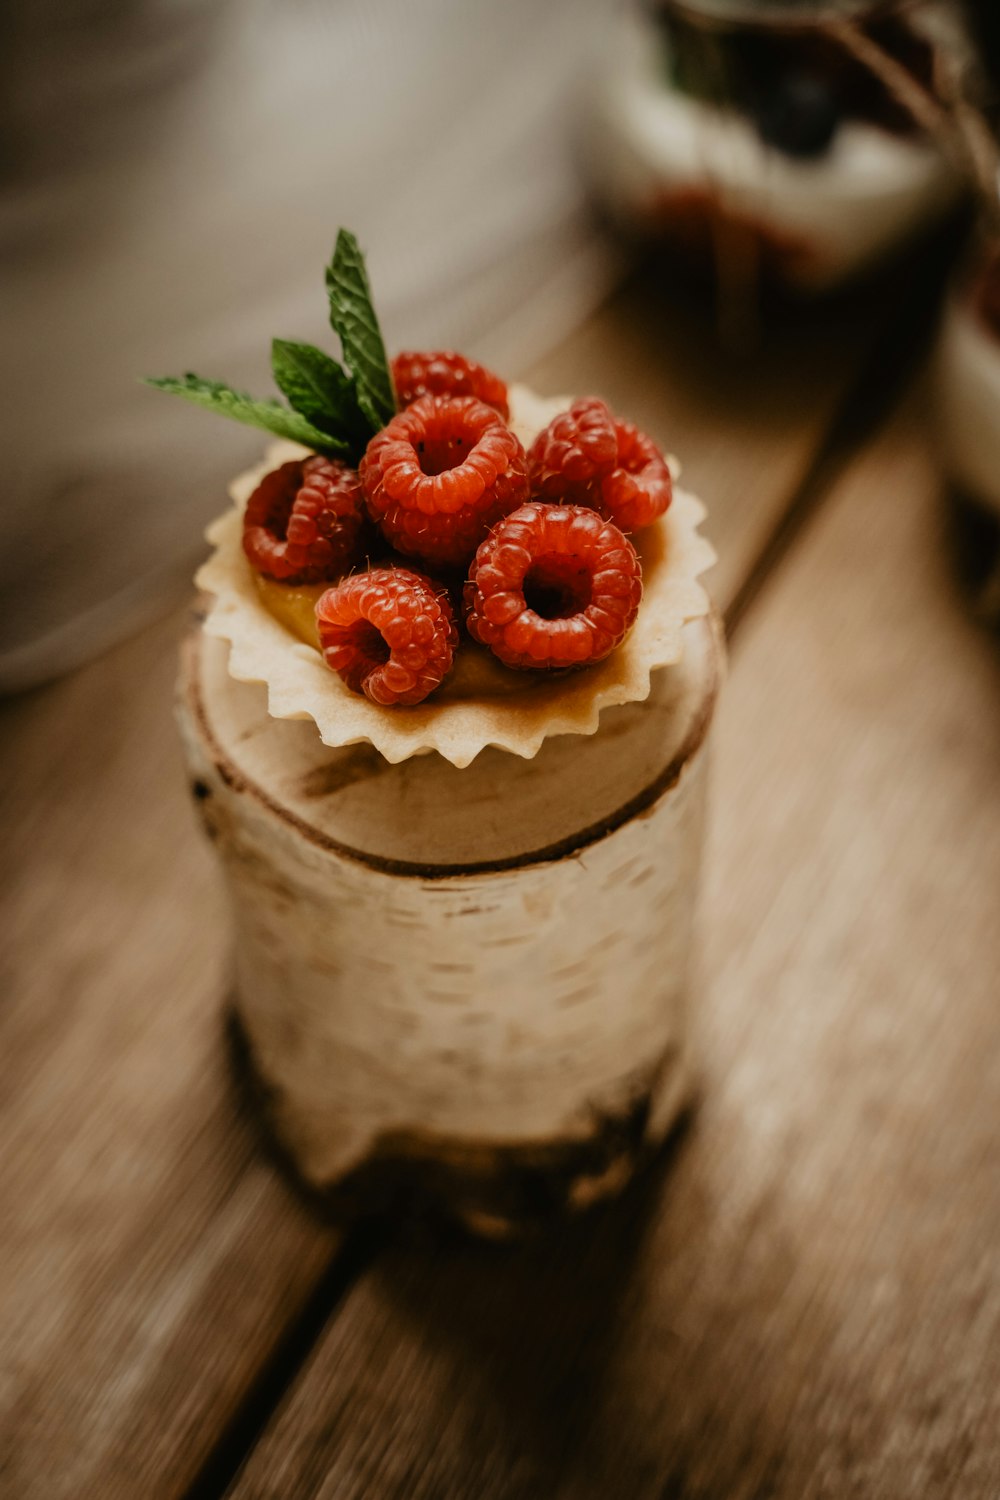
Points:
(748, 138)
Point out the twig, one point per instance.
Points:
(956, 124)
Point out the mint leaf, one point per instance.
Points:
(353, 318)
(318, 388)
(270, 415)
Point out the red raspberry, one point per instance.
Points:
(588, 457)
(577, 448)
(389, 633)
(304, 521)
(447, 374)
(440, 475)
(639, 489)
(553, 586)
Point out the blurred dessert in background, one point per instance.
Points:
(760, 142)
(967, 383)
(968, 409)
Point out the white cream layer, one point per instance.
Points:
(853, 205)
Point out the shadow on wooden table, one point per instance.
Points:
(529, 1333)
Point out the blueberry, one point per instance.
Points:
(798, 115)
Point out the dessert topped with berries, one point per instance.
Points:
(795, 79)
(442, 562)
(795, 143)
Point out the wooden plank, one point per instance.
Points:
(152, 1261)
(805, 1301)
(149, 1259)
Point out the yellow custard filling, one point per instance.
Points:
(292, 604)
(476, 673)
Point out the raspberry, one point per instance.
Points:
(304, 521)
(440, 475)
(389, 633)
(639, 489)
(577, 448)
(588, 457)
(447, 374)
(553, 586)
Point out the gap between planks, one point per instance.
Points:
(255, 1412)
(867, 405)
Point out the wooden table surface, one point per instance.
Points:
(802, 1298)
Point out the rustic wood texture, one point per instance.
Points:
(149, 1257)
(807, 1301)
(152, 1263)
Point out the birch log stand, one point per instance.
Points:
(802, 1300)
(470, 980)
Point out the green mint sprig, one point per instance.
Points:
(315, 385)
(353, 316)
(272, 416)
(333, 409)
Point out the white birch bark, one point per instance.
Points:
(462, 966)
